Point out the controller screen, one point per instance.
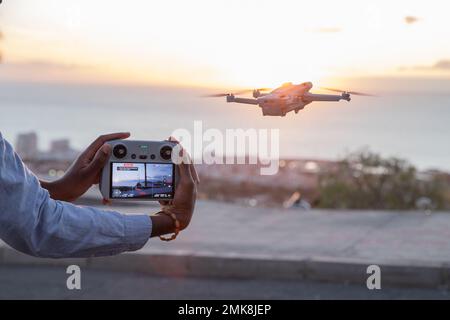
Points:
(142, 180)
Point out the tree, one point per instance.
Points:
(365, 180)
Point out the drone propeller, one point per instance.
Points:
(350, 92)
(218, 95)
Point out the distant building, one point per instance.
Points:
(60, 150)
(60, 146)
(27, 145)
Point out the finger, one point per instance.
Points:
(165, 202)
(187, 160)
(101, 140)
(185, 185)
(99, 161)
(173, 139)
(194, 173)
(185, 173)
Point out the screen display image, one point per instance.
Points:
(142, 180)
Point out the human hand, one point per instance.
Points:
(85, 171)
(182, 206)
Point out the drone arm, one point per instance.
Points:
(242, 100)
(325, 97)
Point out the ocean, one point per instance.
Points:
(413, 126)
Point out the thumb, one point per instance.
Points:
(99, 161)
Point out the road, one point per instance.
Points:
(45, 282)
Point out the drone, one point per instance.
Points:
(289, 97)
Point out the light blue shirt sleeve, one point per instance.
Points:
(33, 223)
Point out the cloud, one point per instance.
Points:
(411, 19)
(40, 65)
(440, 65)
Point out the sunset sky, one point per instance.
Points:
(222, 43)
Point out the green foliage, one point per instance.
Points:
(365, 180)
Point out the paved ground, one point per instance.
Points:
(231, 230)
(41, 282)
(234, 241)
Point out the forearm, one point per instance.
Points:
(161, 224)
(55, 190)
(60, 230)
(49, 186)
(32, 222)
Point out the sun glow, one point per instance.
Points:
(224, 43)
